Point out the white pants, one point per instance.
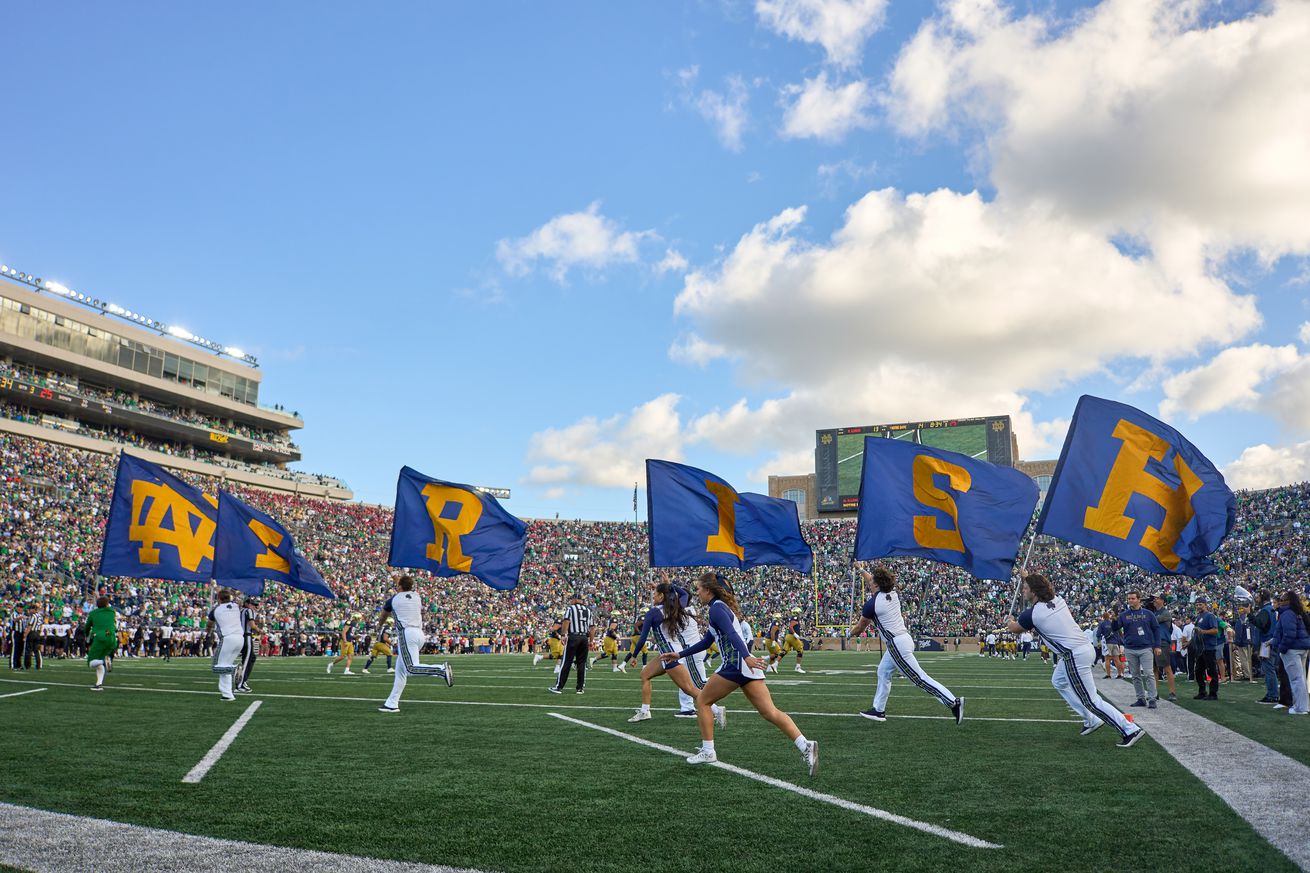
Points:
(226, 655)
(1073, 679)
(696, 667)
(899, 655)
(1294, 661)
(408, 646)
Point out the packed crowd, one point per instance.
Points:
(53, 502)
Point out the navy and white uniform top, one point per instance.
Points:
(682, 637)
(407, 609)
(731, 634)
(1056, 625)
(884, 610)
(227, 619)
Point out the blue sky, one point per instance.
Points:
(529, 246)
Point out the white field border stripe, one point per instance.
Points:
(211, 757)
(412, 702)
(21, 693)
(872, 812)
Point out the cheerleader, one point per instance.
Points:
(671, 626)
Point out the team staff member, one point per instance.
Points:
(576, 629)
(101, 638)
(1049, 616)
(407, 610)
(250, 630)
(225, 622)
(1142, 644)
(1207, 662)
(1164, 659)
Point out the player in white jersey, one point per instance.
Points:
(225, 622)
(406, 608)
(672, 628)
(883, 611)
(1049, 616)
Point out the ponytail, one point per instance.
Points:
(674, 612)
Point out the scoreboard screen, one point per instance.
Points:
(839, 452)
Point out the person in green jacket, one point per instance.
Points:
(101, 639)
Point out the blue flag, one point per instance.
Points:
(943, 506)
(699, 520)
(1135, 488)
(159, 527)
(251, 548)
(451, 529)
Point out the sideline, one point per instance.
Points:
(211, 757)
(1225, 761)
(54, 842)
(871, 811)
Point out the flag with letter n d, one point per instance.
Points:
(1133, 487)
(698, 520)
(159, 527)
(943, 506)
(449, 529)
(250, 548)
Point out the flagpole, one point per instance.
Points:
(1022, 573)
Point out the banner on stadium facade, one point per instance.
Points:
(1131, 486)
(159, 527)
(697, 519)
(250, 548)
(450, 529)
(943, 506)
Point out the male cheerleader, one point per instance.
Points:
(406, 608)
(225, 623)
(883, 611)
(347, 649)
(1049, 616)
(381, 646)
(101, 639)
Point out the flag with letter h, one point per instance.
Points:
(1133, 487)
(450, 529)
(250, 548)
(159, 527)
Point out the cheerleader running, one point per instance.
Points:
(671, 626)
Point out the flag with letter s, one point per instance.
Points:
(250, 548)
(450, 529)
(159, 527)
(943, 506)
(1131, 486)
(697, 519)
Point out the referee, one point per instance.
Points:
(576, 632)
(17, 637)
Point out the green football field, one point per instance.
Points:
(484, 775)
(969, 440)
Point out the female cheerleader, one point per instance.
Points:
(739, 670)
(672, 628)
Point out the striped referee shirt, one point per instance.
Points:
(579, 619)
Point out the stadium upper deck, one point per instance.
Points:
(95, 375)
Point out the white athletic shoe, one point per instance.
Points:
(800, 669)
(623, 666)
(329, 667)
(97, 688)
(385, 708)
(704, 756)
(640, 716)
(591, 665)
(227, 699)
(391, 669)
(614, 669)
(448, 674)
(810, 756)
(365, 672)
(536, 659)
(720, 716)
(347, 672)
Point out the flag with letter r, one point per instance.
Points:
(449, 529)
(943, 506)
(696, 520)
(251, 548)
(1133, 487)
(159, 527)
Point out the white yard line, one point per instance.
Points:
(211, 757)
(52, 842)
(871, 811)
(21, 693)
(1225, 761)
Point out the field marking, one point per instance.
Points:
(55, 842)
(421, 701)
(871, 811)
(21, 693)
(211, 757)
(1225, 761)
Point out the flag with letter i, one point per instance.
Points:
(159, 527)
(697, 519)
(450, 529)
(250, 548)
(943, 506)
(1133, 487)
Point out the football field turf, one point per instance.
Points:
(481, 775)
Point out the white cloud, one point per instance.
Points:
(724, 110)
(672, 262)
(609, 452)
(691, 349)
(1266, 466)
(1230, 379)
(841, 27)
(824, 111)
(555, 493)
(1133, 117)
(586, 240)
(1304, 336)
